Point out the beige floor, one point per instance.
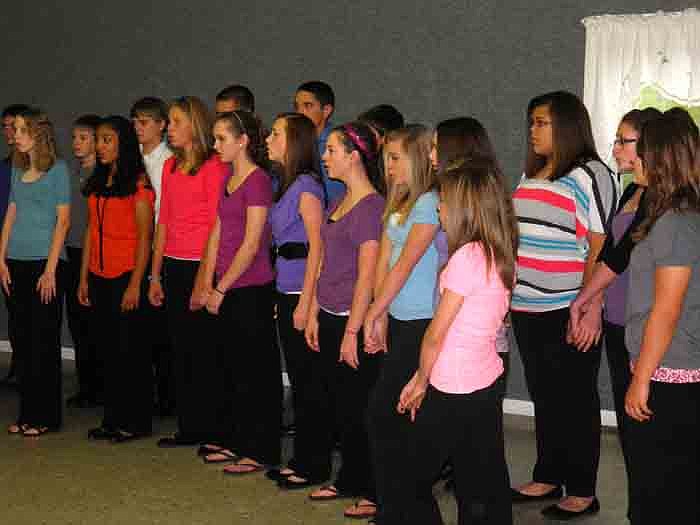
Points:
(64, 479)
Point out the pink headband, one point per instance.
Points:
(356, 140)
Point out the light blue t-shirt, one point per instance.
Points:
(36, 211)
(416, 300)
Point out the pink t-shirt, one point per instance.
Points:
(188, 206)
(468, 360)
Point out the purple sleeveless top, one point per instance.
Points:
(616, 293)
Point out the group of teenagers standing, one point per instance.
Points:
(384, 259)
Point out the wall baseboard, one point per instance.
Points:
(510, 406)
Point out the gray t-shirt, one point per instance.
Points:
(673, 241)
(78, 207)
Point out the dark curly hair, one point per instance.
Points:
(129, 164)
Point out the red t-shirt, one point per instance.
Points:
(113, 232)
(188, 206)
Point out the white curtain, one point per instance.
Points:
(625, 53)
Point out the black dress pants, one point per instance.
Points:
(250, 407)
(37, 329)
(563, 385)
(128, 382)
(194, 354)
(88, 361)
(303, 367)
(620, 376)
(664, 455)
(467, 430)
(390, 432)
(348, 391)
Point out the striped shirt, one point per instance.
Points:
(554, 219)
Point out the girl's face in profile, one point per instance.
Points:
(336, 159)
(434, 151)
(541, 136)
(226, 145)
(396, 162)
(625, 148)
(277, 142)
(180, 132)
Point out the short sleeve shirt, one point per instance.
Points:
(416, 299)
(36, 219)
(342, 240)
(255, 191)
(113, 231)
(288, 226)
(468, 360)
(673, 241)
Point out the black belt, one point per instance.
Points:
(291, 250)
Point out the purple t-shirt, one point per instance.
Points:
(256, 190)
(616, 293)
(288, 226)
(341, 245)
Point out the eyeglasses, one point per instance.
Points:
(621, 141)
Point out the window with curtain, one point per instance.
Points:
(637, 61)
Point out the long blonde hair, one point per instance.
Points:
(416, 143)
(202, 139)
(480, 209)
(41, 130)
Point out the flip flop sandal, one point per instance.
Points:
(334, 494)
(364, 511)
(35, 431)
(249, 469)
(16, 428)
(205, 450)
(221, 456)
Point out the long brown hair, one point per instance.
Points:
(480, 210)
(302, 153)
(670, 152)
(572, 136)
(462, 137)
(202, 139)
(41, 130)
(415, 142)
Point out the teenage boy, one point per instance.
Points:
(8, 129)
(88, 365)
(234, 98)
(316, 100)
(150, 118)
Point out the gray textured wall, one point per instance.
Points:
(433, 60)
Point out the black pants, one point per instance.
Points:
(38, 343)
(303, 367)
(11, 335)
(390, 432)
(161, 350)
(620, 376)
(563, 385)
(88, 361)
(128, 383)
(250, 407)
(467, 430)
(194, 353)
(348, 391)
(665, 457)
